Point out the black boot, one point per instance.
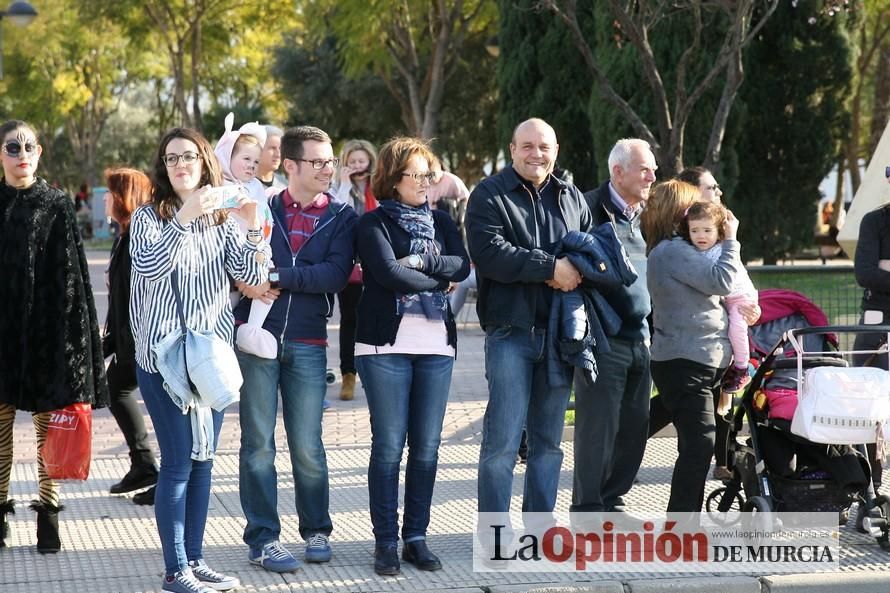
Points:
(47, 527)
(138, 477)
(5, 509)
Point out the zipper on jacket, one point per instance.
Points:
(294, 256)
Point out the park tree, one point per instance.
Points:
(871, 43)
(224, 46)
(794, 120)
(635, 25)
(541, 74)
(67, 76)
(413, 46)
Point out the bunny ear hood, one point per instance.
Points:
(226, 143)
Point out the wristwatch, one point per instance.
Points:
(415, 261)
(273, 278)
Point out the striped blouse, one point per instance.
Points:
(205, 257)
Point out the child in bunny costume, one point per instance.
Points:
(238, 152)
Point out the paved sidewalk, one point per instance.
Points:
(110, 545)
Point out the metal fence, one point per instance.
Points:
(832, 288)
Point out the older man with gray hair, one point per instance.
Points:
(612, 414)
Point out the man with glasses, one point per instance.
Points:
(515, 221)
(612, 414)
(312, 252)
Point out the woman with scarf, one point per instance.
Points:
(405, 345)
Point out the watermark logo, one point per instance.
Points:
(692, 542)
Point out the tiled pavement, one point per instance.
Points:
(111, 545)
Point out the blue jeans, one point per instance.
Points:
(407, 394)
(519, 394)
(299, 371)
(611, 426)
(182, 494)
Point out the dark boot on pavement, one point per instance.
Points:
(47, 527)
(7, 508)
(138, 477)
(146, 498)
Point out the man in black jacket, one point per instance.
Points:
(612, 415)
(515, 220)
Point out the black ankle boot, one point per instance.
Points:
(47, 527)
(137, 478)
(420, 556)
(5, 509)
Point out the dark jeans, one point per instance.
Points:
(611, 426)
(872, 342)
(407, 395)
(348, 299)
(659, 417)
(688, 389)
(126, 411)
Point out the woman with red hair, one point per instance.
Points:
(127, 190)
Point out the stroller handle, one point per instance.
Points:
(841, 329)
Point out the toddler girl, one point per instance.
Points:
(238, 152)
(702, 227)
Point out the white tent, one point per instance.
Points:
(874, 192)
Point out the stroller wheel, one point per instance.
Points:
(724, 506)
(757, 514)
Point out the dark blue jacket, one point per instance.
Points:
(581, 319)
(309, 278)
(505, 238)
(380, 243)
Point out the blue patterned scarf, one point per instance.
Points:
(418, 223)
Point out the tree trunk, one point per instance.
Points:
(852, 144)
(178, 66)
(881, 98)
(197, 119)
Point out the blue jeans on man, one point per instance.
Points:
(407, 395)
(299, 372)
(519, 395)
(182, 494)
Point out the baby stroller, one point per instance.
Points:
(778, 470)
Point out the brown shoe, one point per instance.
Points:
(347, 389)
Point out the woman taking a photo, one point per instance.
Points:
(183, 237)
(405, 345)
(127, 190)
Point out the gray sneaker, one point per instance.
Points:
(211, 578)
(184, 582)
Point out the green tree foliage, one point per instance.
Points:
(800, 70)
(67, 74)
(541, 74)
(414, 46)
(320, 94)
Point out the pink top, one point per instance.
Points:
(417, 335)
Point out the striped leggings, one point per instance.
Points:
(49, 490)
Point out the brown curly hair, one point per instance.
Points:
(704, 211)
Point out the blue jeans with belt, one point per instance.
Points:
(519, 395)
(407, 395)
(182, 494)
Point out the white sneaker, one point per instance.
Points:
(184, 582)
(211, 578)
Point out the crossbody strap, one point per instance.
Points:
(174, 284)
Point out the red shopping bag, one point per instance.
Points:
(68, 447)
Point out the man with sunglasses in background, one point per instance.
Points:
(312, 253)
